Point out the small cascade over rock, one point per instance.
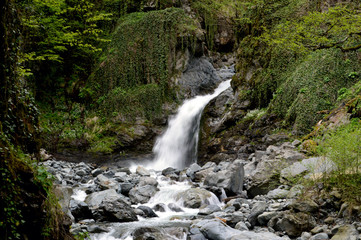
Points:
(177, 147)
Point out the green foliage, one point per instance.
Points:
(304, 92)
(62, 40)
(134, 76)
(343, 148)
(210, 11)
(337, 27)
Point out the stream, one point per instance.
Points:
(169, 197)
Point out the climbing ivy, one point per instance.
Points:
(136, 69)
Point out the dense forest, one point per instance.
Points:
(98, 79)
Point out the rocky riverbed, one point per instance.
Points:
(254, 198)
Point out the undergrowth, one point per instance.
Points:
(343, 148)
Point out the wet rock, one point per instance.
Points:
(116, 211)
(96, 229)
(199, 77)
(144, 181)
(170, 171)
(142, 194)
(142, 171)
(64, 193)
(94, 199)
(125, 187)
(80, 210)
(148, 211)
(97, 171)
(148, 233)
(216, 229)
(174, 207)
(194, 197)
(202, 174)
(192, 170)
(105, 182)
(256, 210)
(208, 209)
(159, 207)
(346, 232)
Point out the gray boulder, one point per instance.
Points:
(192, 170)
(142, 194)
(174, 207)
(199, 77)
(105, 182)
(95, 199)
(215, 229)
(142, 171)
(208, 209)
(256, 210)
(195, 197)
(116, 211)
(80, 210)
(230, 179)
(148, 212)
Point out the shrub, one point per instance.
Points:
(343, 148)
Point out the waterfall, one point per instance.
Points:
(177, 147)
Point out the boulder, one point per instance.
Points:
(105, 182)
(346, 232)
(174, 207)
(159, 207)
(264, 217)
(294, 223)
(230, 179)
(148, 212)
(144, 181)
(192, 170)
(278, 193)
(93, 200)
(316, 166)
(116, 211)
(63, 193)
(195, 197)
(320, 236)
(199, 77)
(306, 206)
(142, 171)
(256, 210)
(142, 194)
(80, 210)
(208, 209)
(215, 229)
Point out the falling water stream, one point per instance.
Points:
(175, 148)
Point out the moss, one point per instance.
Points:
(134, 78)
(304, 94)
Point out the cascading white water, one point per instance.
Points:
(177, 147)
